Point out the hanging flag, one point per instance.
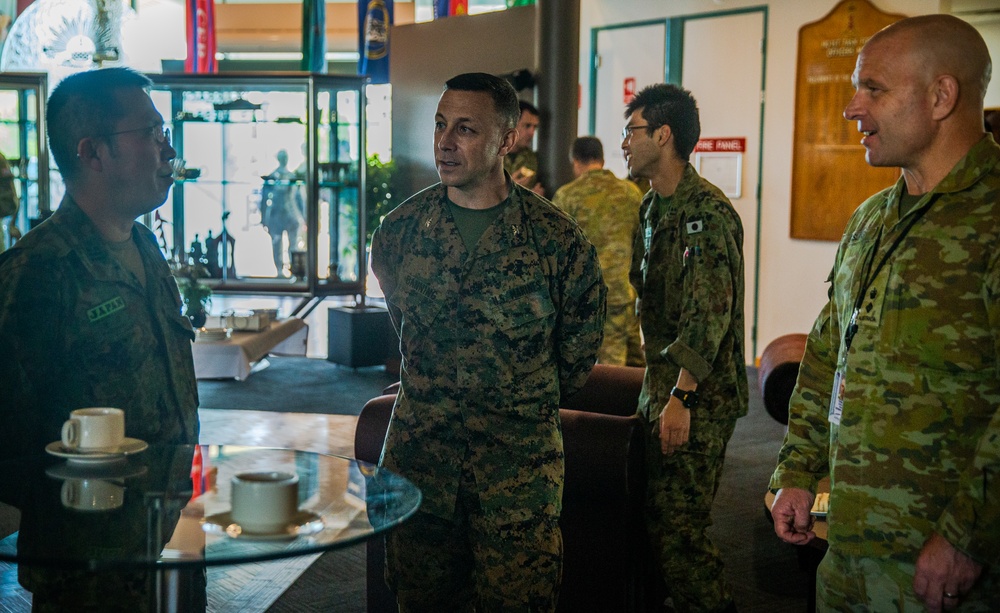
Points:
(314, 36)
(200, 21)
(374, 20)
(513, 3)
(447, 8)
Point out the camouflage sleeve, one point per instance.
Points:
(580, 322)
(971, 521)
(383, 269)
(30, 332)
(712, 259)
(804, 456)
(638, 251)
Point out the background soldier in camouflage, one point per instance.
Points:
(687, 267)
(898, 392)
(498, 301)
(9, 202)
(89, 312)
(522, 161)
(607, 209)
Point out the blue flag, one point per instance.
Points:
(374, 20)
(314, 36)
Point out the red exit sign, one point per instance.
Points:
(722, 145)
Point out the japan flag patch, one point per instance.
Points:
(696, 226)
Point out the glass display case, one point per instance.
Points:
(23, 145)
(270, 180)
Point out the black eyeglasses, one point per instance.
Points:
(627, 130)
(159, 133)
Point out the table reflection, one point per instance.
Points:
(145, 527)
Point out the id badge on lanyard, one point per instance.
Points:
(840, 375)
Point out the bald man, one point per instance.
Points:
(897, 397)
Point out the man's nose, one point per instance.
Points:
(853, 109)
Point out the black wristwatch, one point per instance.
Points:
(688, 398)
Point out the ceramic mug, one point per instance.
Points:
(92, 494)
(94, 429)
(264, 502)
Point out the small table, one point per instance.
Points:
(153, 522)
(234, 357)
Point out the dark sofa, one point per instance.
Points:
(603, 543)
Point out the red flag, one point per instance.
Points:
(200, 36)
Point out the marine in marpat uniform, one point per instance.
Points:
(898, 393)
(498, 301)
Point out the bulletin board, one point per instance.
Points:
(830, 176)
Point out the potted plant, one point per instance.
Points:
(195, 294)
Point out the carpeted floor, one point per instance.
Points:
(298, 385)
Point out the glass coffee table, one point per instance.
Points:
(163, 514)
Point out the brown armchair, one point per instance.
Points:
(603, 541)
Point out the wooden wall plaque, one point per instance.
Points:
(830, 177)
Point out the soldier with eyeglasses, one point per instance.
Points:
(90, 314)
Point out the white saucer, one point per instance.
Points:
(98, 470)
(303, 523)
(128, 447)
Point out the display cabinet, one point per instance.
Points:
(23, 144)
(270, 174)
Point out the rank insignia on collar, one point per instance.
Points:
(696, 226)
(516, 230)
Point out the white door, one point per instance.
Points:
(730, 101)
(618, 73)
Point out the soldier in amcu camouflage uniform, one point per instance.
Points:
(897, 396)
(498, 301)
(522, 161)
(607, 209)
(89, 312)
(687, 267)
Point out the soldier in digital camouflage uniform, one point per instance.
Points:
(687, 268)
(89, 312)
(607, 209)
(498, 301)
(522, 161)
(897, 396)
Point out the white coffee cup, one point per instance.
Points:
(92, 494)
(94, 429)
(264, 502)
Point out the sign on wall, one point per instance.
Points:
(720, 162)
(830, 177)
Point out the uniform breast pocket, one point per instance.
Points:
(935, 316)
(419, 302)
(523, 328)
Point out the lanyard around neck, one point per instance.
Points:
(869, 273)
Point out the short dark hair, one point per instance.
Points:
(666, 104)
(587, 149)
(527, 106)
(503, 94)
(85, 105)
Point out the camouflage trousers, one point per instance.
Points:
(474, 562)
(621, 345)
(680, 490)
(848, 583)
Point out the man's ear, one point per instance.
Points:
(944, 91)
(507, 141)
(88, 153)
(663, 134)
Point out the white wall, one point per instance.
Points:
(793, 272)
